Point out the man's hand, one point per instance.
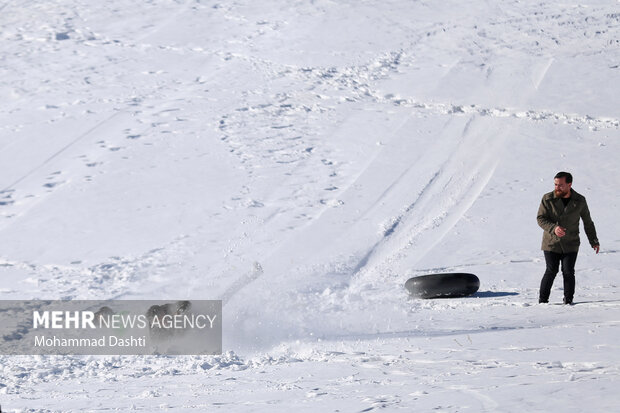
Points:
(596, 248)
(559, 231)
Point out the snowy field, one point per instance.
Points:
(300, 160)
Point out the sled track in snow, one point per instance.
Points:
(444, 194)
(396, 223)
(447, 196)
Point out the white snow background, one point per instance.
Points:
(300, 160)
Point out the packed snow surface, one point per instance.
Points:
(300, 160)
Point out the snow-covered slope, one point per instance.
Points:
(299, 161)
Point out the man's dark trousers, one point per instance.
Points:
(553, 260)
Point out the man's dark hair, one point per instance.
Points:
(566, 175)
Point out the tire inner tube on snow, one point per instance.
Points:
(446, 285)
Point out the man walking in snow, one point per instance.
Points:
(558, 215)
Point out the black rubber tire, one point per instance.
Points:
(446, 285)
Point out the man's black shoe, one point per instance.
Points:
(568, 301)
(541, 301)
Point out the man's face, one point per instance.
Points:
(562, 189)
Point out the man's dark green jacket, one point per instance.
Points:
(552, 213)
